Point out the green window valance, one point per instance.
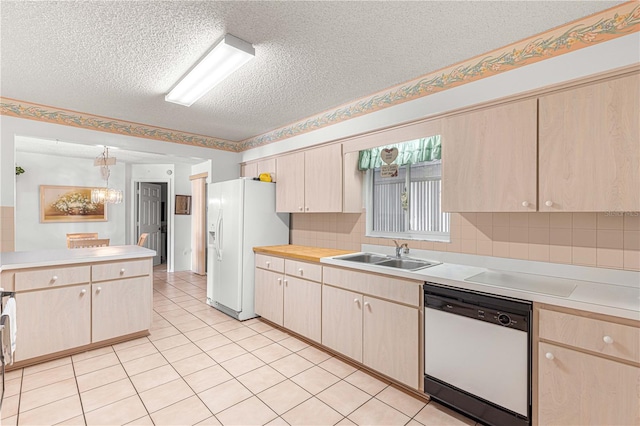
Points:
(410, 152)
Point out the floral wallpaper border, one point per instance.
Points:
(31, 111)
(607, 25)
(604, 26)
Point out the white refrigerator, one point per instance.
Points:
(241, 215)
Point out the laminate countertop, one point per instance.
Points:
(311, 254)
(53, 257)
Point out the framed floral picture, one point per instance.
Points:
(69, 204)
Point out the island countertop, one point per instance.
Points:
(53, 257)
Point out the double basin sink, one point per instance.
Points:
(388, 261)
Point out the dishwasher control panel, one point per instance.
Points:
(507, 313)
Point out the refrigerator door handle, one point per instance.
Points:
(219, 238)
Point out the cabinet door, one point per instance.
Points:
(267, 166)
(342, 321)
(269, 295)
(323, 179)
(352, 186)
(249, 170)
(121, 307)
(53, 320)
(391, 344)
(489, 159)
(589, 148)
(302, 300)
(290, 187)
(579, 389)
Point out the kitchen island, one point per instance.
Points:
(70, 301)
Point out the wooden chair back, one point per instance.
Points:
(81, 236)
(142, 239)
(95, 242)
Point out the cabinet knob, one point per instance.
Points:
(549, 355)
(286, 283)
(356, 301)
(366, 304)
(279, 281)
(300, 208)
(268, 264)
(608, 339)
(83, 291)
(122, 271)
(307, 209)
(53, 278)
(300, 271)
(98, 290)
(525, 204)
(548, 203)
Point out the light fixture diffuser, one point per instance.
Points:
(222, 60)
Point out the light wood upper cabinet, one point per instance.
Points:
(589, 147)
(290, 186)
(489, 159)
(249, 170)
(323, 179)
(352, 185)
(310, 181)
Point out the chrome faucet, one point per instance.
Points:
(401, 248)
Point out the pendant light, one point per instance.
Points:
(105, 195)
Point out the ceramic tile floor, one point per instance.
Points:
(200, 366)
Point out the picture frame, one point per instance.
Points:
(183, 204)
(69, 204)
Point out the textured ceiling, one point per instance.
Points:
(119, 58)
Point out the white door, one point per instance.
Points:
(149, 203)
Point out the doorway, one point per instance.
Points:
(152, 218)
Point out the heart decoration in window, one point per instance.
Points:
(388, 155)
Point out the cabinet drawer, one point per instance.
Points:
(271, 263)
(52, 277)
(395, 289)
(117, 270)
(305, 270)
(621, 341)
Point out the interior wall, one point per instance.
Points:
(603, 240)
(30, 233)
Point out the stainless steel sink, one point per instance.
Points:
(409, 264)
(365, 258)
(388, 261)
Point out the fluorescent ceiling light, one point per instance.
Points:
(227, 56)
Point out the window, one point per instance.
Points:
(407, 204)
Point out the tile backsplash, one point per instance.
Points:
(606, 240)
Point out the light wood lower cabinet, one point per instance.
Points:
(269, 295)
(120, 307)
(382, 335)
(53, 320)
(342, 321)
(302, 300)
(581, 389)
(67, 307)
(390, 337)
